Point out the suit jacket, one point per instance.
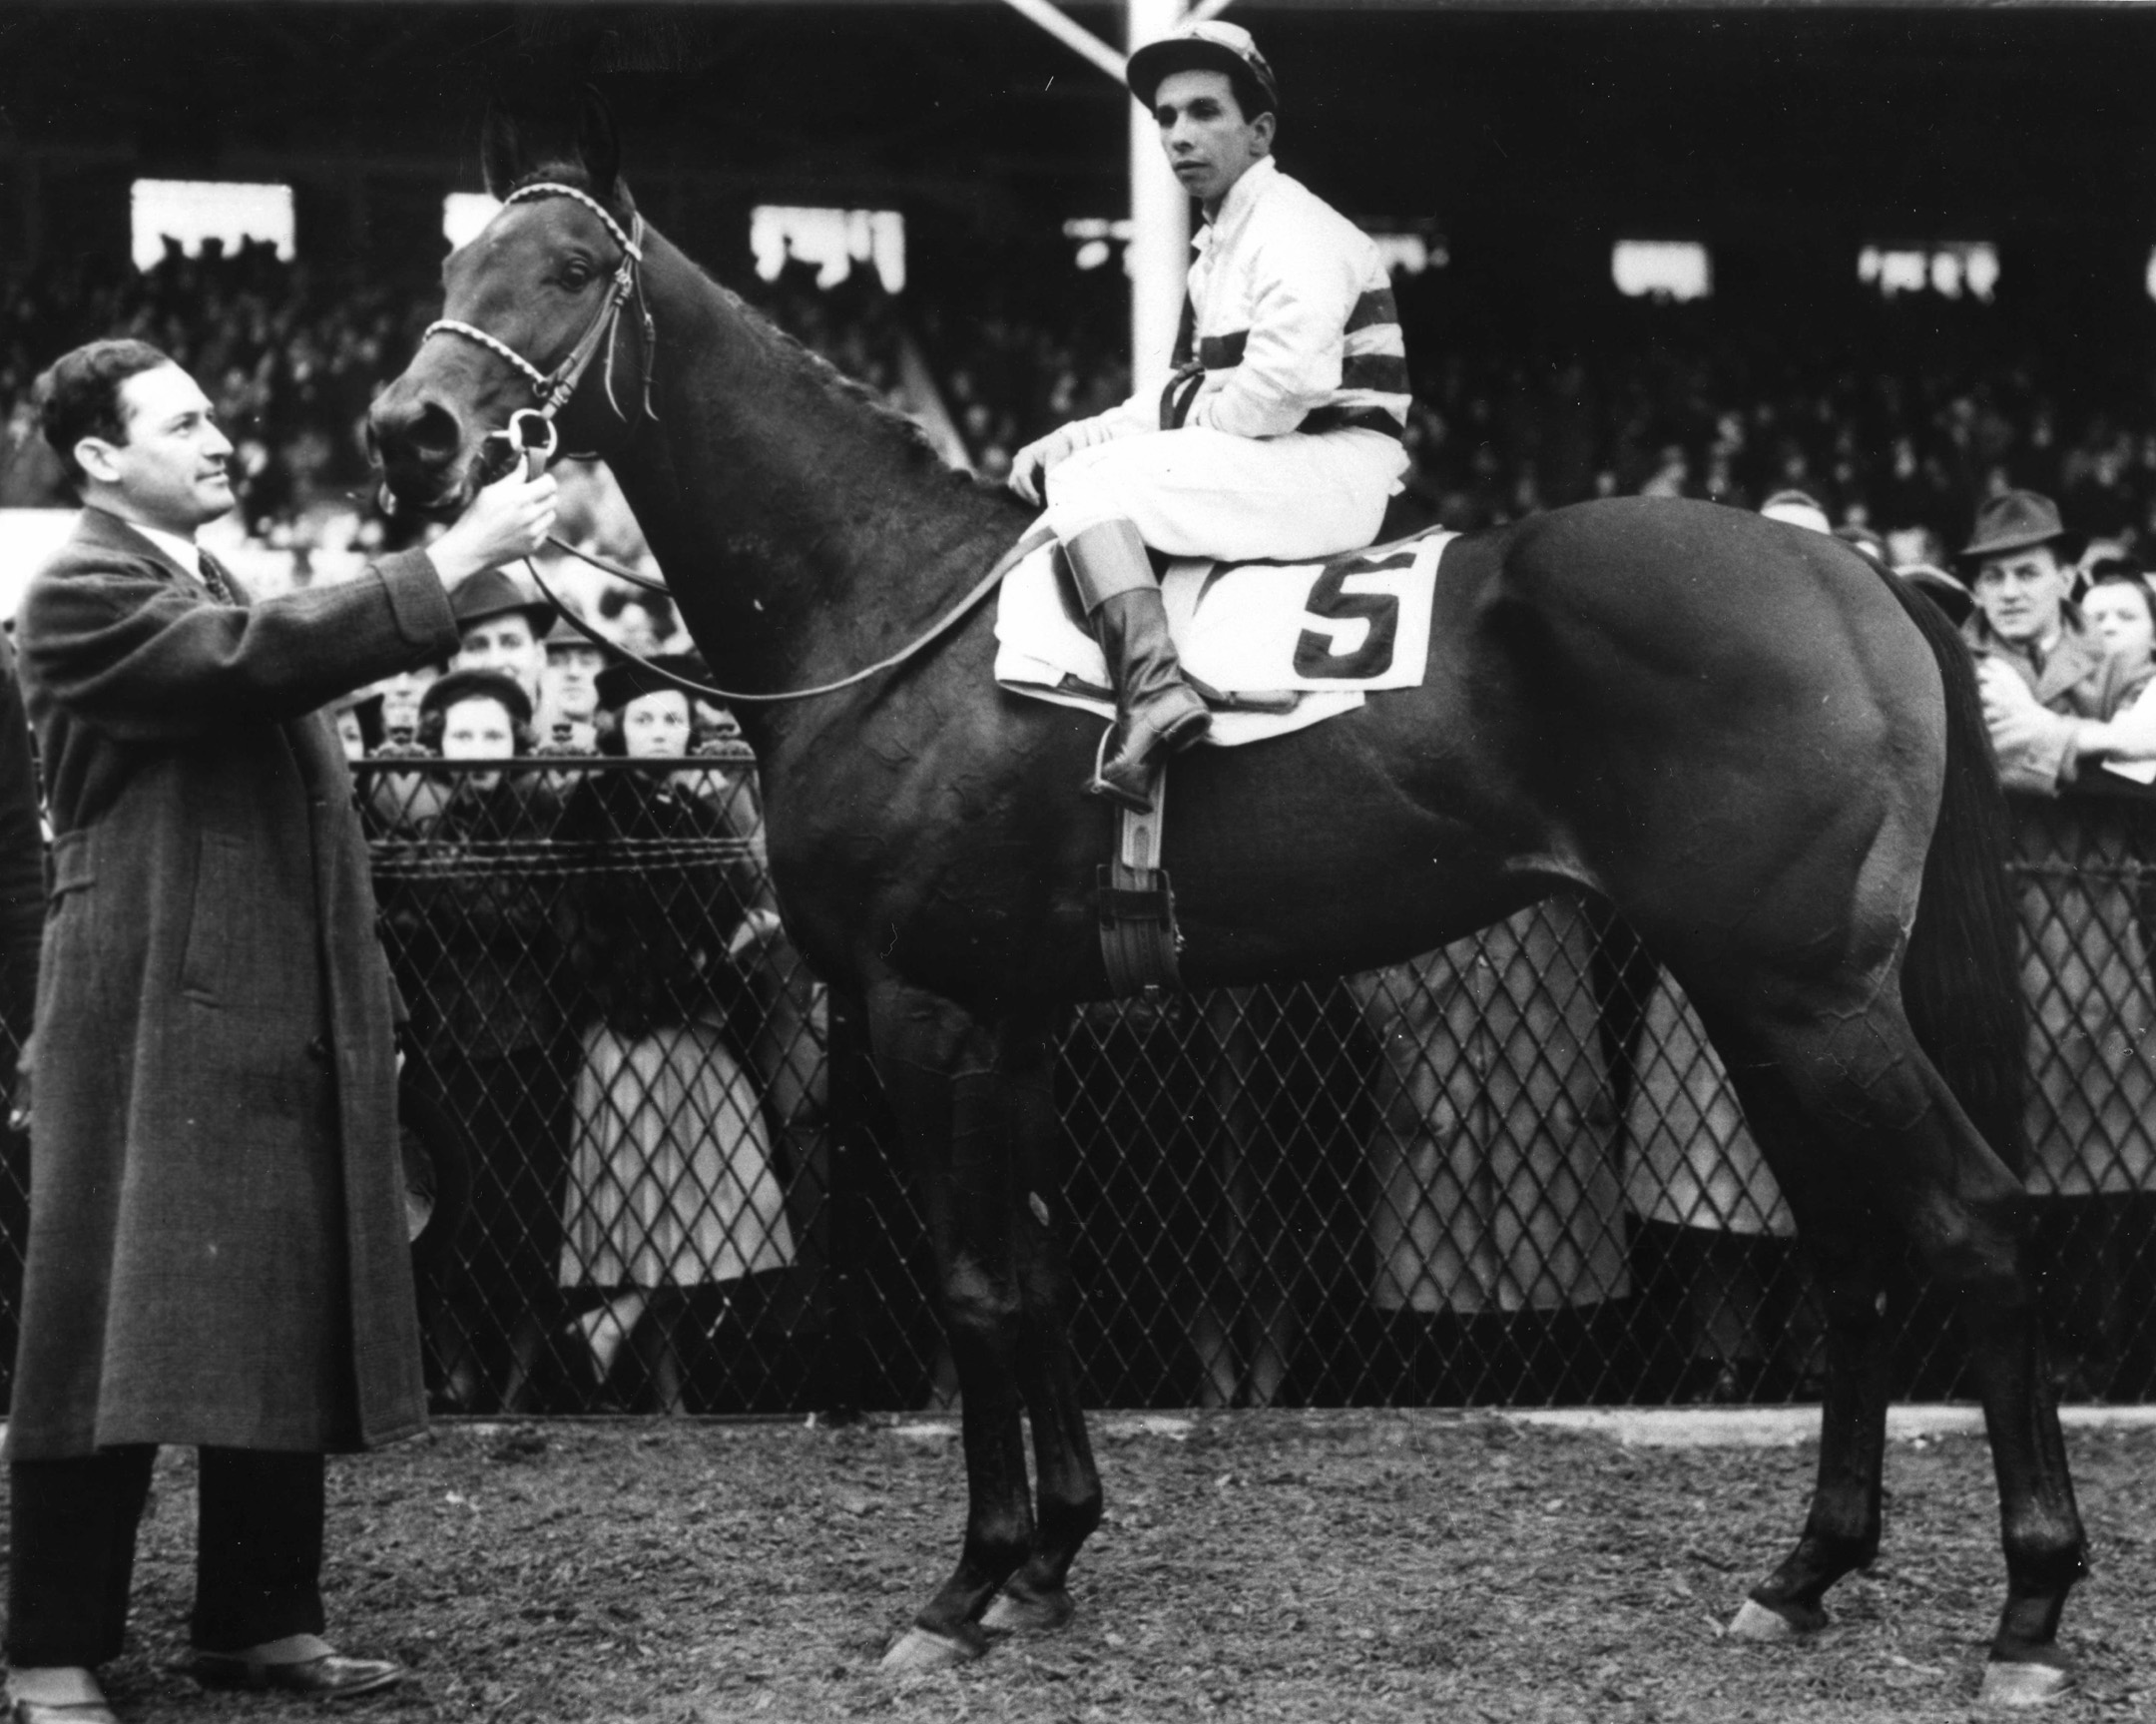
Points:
(217, 1249)
(2076, 681)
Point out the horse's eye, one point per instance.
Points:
(575, 274)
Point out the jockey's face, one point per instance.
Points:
(1208, 142)
(2020, 594)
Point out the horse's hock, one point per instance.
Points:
(1510, 1172)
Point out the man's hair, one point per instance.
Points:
(79, 396)
(1248, 94)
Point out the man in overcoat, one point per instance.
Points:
(218, 1252)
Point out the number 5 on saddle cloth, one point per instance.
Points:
(1289, 645)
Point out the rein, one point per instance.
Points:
(531, 434)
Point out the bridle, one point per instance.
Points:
(555, 388)
(532, 435)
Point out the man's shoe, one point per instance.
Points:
(298, 1664)
(58, 1695)
(60, 1712)
(1172, 721)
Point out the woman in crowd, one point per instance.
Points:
(672, 1186)
(476, 961)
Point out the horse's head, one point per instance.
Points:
(533, 294)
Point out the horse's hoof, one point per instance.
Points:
(1756, 1621)
(1017, 1611)
(2022, 1684)
(921, 1648)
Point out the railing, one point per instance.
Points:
(1505, 1172)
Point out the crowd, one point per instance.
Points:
(1902, 416)
(1504, 1183)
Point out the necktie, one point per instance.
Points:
(213, 577)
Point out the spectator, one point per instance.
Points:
(672, 1189)
(217, 1046)
(2043, 672)
(568, 691)
(474, 943)
(1497, 1205)
(502, 628)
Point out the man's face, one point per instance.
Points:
(572, 675)
(1204, 135)
(2020, 592)
(506, 644)
(171, 470)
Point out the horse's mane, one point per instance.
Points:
(921, 454)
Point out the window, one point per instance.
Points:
(834, 240)
(1661, 270)
(1948, 267)
(463, 214)
(192, 210)
(1096, 237)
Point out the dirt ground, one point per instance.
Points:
(1272, 1566)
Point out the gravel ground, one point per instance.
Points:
(1272, 1566)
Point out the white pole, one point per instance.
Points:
(1160, 218)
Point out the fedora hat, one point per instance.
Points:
(2017, 521)
(1212, 46)
(491, 593)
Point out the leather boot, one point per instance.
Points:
(1156, 710)
(1155, 706)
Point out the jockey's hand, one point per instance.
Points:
(1031, 465)
(508, 519)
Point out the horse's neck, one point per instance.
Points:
(800, 529)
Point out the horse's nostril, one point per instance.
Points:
(424, 432)
(433, 433)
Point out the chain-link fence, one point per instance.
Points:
(1509, 1171)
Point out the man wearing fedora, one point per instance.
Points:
(217, 1253)
(1278, 434)
(2050, 691)
(501, 627)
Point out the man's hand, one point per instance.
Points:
(1032, 465)
(2005, 694)
(508, 519)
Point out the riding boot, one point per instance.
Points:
(1155, 707)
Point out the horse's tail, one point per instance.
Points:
(1960, 981)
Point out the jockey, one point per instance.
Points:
(1278, 434)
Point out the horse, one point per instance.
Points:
(1765, 754)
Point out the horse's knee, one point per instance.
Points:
(981, 1309)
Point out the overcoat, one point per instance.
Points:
(218, 1248)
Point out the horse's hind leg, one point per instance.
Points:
(1855, 1079)
(945, 1074)
(1067, 1482)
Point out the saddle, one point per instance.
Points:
(1272, 646)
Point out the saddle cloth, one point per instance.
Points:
(1322, 634)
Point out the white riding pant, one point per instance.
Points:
(1197, 492)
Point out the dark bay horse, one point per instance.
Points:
(1767, 755)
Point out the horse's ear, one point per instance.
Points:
(597, 142)
(501, 150)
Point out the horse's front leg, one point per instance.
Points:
(942, 1070)
(1068, 1481)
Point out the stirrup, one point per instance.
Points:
(1098, 784)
